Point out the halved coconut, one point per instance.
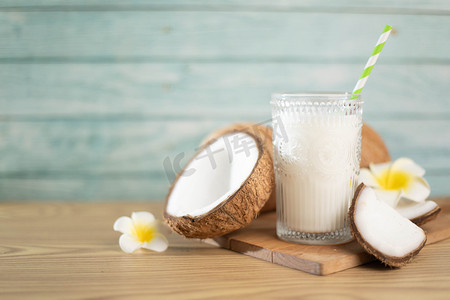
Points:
(382, 231)
(418, 212)
(264, 132)
(373, 149)
(223, 187)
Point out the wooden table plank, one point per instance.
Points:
(69, 250)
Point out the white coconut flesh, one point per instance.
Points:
(412, 210)
(213, 175)
(383, 228)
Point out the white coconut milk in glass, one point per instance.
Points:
(317, 151)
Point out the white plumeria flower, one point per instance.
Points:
(140, 231)
(392, 181)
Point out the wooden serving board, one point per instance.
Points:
(259, 240)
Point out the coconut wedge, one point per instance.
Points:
(419, 213)
(223, 187)
(382, 231)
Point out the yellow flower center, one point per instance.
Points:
(394, 180)
(143, 232)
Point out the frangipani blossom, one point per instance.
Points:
(140, 231)
(392, 181)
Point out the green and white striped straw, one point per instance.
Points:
(372, 60)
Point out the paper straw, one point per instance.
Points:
(372, 60)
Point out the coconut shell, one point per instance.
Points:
(266, 136)
(425, 218)
(388, 260)
(240, 208)
(373, 149)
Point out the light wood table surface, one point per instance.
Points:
(70, 251)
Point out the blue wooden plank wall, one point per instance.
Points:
(95, 95)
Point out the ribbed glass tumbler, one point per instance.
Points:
(317, 152)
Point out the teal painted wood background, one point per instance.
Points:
(94, 95)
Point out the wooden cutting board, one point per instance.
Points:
(259, 240)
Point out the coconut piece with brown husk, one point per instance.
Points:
(382, 231)
(418, 212)
(373, 149)
(265, 134)
(223, 187)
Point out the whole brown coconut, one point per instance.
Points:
(373, 149)
(233, 209)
